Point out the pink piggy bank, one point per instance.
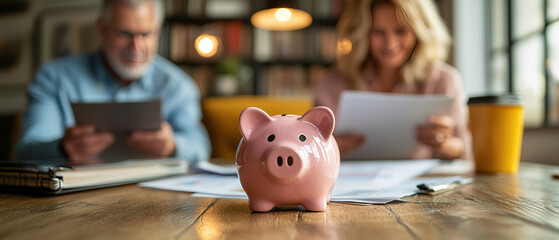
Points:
(288, 159)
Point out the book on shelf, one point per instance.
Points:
(328, 44)
(203, 75)
(287, 81)
(316, 74)
(192, 8)
(290, 80)
(285, 63)
(216, 9)
(58, 177)
(237, 40)
(178, 42)
(262, 45)
(163, 46)
(195, 8)
(234, 37)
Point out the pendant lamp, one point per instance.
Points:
(281, 16)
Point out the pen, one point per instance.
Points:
(430, 188)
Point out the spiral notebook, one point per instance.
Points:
(57, 177)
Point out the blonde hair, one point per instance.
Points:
(420, 16)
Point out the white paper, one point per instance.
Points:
(359, 178)
(404, 189)
(200, 183)
(454, 167)
(364, 182)
(388, 121)
(221, 169)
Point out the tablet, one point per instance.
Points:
(119, 118)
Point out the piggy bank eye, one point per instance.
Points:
(302, 138)
(271, 138)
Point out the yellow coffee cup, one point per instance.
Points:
(497, 124)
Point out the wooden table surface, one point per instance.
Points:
(521, 206)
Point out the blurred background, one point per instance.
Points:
(499, 46)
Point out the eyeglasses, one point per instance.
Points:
(132, 35)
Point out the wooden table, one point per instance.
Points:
(522, 206)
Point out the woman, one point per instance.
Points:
(398, 46)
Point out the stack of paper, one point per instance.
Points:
(363, 181)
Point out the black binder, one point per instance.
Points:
(57, 177)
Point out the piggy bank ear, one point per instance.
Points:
(323, 118)
(250, 118)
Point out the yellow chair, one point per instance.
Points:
(221, 118)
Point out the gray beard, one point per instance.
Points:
(126, 72)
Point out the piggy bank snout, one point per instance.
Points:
(284, 164)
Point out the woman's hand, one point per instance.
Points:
(349, 142)
(439, 134)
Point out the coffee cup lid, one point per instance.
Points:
(504, 99)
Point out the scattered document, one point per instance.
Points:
(364, 182)
(218, 185)
(380, 174)
(221, 169)
(454, 167)
(388, 121)
(379, 196)
(119, 118)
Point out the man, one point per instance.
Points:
(126, 69)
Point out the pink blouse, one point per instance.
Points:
(444, 79)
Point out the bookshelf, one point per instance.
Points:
(248, 60)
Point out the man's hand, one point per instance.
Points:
(83, 145)
(155, 144)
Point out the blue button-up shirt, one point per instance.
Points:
(85, 78)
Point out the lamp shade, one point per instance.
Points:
(281, 16)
